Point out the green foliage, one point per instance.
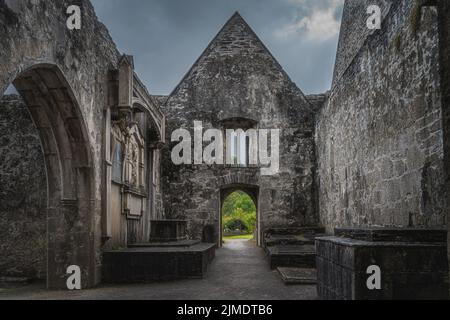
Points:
(239, 213)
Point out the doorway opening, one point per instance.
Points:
(239, 221)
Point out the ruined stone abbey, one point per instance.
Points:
(86, 176)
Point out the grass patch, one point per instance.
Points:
(241, 237)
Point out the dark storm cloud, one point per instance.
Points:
(167, 36)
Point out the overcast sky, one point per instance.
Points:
(167, 36)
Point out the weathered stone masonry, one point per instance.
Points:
(380, 153)
(100, 130)
(444, 62)
(237, 78)
(62, 76)
(379, 136)
(372, 152)
(23, 205)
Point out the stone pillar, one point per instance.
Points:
(126, 75)
(107, 224)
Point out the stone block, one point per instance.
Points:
(147, 264)
(413, 264)
(168, 230)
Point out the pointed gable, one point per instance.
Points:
(236, 38)
(237, 77)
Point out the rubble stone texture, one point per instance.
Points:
(379, 136)
(237, 77)
(63, 74)
(23, 194)
(373, 151)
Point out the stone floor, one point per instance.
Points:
(239, 272)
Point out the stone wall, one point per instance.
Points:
(237, 77)
(71, 69)
(444, 62)
(379, 136)
(354, 32)
(23, 194)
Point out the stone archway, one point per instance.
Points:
(250, 190)
(68, 160)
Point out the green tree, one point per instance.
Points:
(239, 210)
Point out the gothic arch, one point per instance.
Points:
(68, 160)
(155, 117)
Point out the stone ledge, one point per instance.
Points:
(393, 234)
(362, 243)
(298, 276)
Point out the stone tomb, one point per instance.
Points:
(168, 230)
(292, 253)
(169, 255)
(413, 264)
(291, 247)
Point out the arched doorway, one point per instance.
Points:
(68, 168)
(239, 213)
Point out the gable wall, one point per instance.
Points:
(237, 77)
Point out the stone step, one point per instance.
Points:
(148, 264)
(292, 256)
(298, 276)
(291, 236)
(275, 240)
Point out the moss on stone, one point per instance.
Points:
(397, 43)
(416, 16)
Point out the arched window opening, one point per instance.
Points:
(241, 138)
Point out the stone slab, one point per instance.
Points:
(288, 240)
(298, 276)
(291, 256)
(393, 234)
(168, 230)
(295, 231)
